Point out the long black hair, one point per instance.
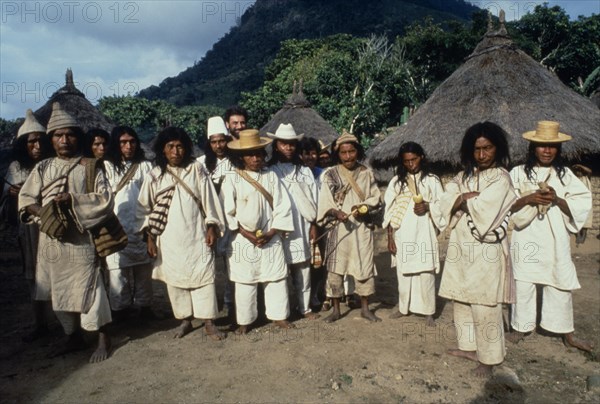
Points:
(335, 157)
(492, 132)
(400, 170)
(210, 157)
(114, 150)
(20, 154)
(558, 163)
(276, 156)
(168, 135)
(89, 141)
(236, 156)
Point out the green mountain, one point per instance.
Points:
(237, 61)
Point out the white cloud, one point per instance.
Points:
(113, 47)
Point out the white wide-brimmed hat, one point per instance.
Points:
(60, 119)
(31, 125)
(285, 131)
(546, 132)
(216, 126)
(249, 140)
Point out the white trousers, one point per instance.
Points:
(96, 317)
(277, 302)
(416, 293)
(198, 303)
(557, 309)
(480, 329)
(300, 274)
(129, 285)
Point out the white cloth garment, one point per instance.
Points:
(184, 260)
(246, 207)
(277, 304)
(125, 208)
(198, 303)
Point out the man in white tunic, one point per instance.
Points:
(68, 267)
(412, 235)
(347, 197)
(217, 164)
(179, 212)
(130, 270)
(477, 275)
(300, 184)
(258, 211)
(27, 151)
(553, 203)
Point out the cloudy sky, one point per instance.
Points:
(121, 47)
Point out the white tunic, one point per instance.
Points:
(125, 208)
(476, 272)
(541, 250)
(184, 260)
(67, 270)
(416, 239)
(246, 207)
(300, 183)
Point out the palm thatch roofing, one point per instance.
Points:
(298, 112)
(74, 102)
(499, 83)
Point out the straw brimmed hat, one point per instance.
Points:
(216, 126)
(59, 119)
(31, 125)
(345, 138)
(249, 140)
(546, 132)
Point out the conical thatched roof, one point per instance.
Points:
(303, 118)
(74, 102)
(497, 83)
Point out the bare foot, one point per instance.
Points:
(103, 351)
(571, 340)
(368, 314)
(395, 315)
(242, 330)
(184, 329)
(334, 316)
(326, 306)
(515, 336)
(212, 331)
(311, 316)
(483, 370)
(284, 324)
(470, 355)
(429, 321)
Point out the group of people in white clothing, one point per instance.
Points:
(262, 208)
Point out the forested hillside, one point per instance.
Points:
(237, 62)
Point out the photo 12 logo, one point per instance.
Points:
(38, 92)
(69, 11)
(514, 10)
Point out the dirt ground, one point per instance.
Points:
(349, 361)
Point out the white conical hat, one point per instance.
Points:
(59, 119)
(31, 125)
(216, 126)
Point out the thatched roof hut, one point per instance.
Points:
(499, 83)
(74, 102)
(297, 111)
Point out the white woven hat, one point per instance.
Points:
(216, 126)
(285, 131)
(31, 125)
(60, 119)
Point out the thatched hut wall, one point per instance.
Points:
(498, 83)
(298, 112)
